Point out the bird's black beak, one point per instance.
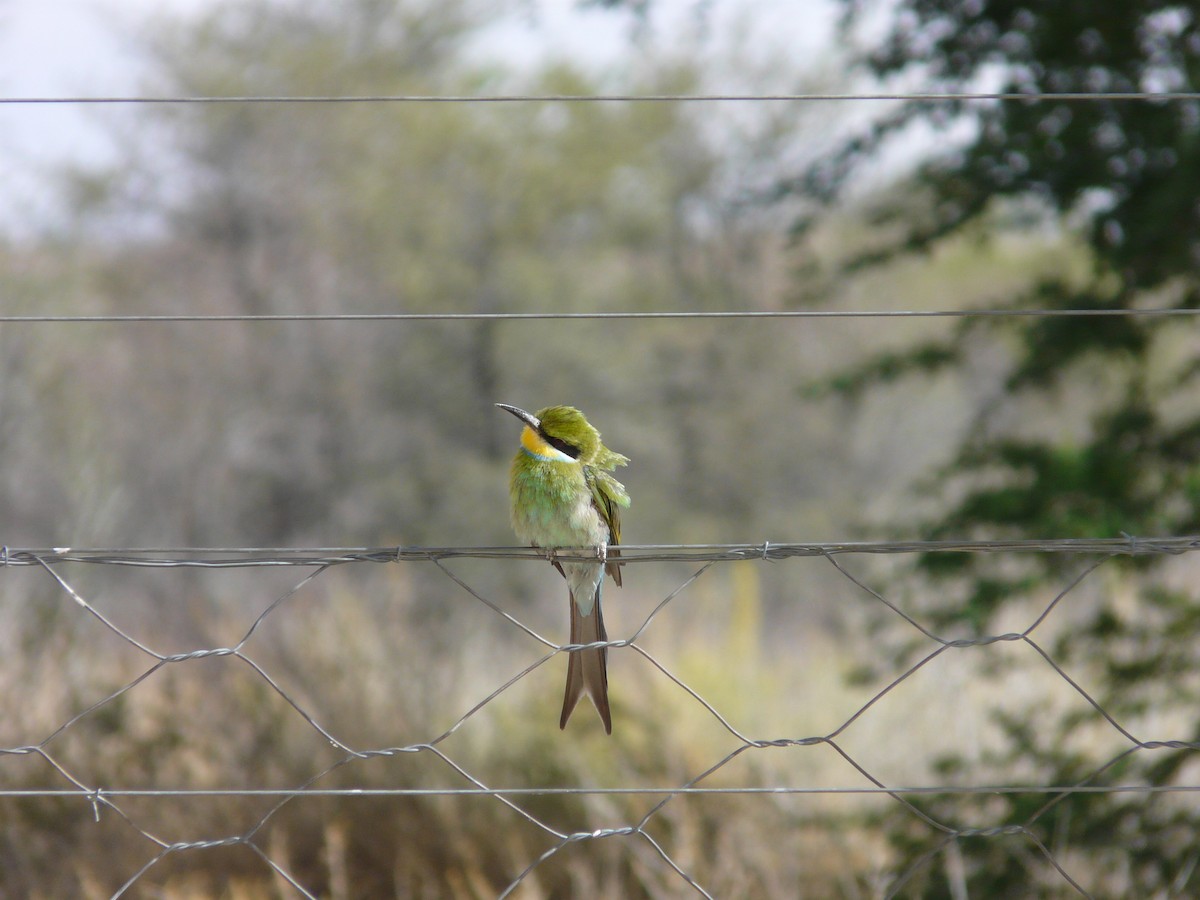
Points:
(528, 418)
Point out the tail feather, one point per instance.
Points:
(587, 670)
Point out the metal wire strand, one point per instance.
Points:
(749, 314)
(812, 97)
(632, 554)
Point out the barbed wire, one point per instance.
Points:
(98, 798)
(817, 97)
(250, 557)
(186, 318)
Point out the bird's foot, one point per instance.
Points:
(551, 556)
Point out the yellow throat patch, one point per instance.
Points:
(533, 444)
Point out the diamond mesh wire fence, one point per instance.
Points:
(328, 737)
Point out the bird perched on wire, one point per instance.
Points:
(563, 496)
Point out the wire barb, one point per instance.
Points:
(95, 798)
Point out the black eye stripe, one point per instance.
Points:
(570, 449)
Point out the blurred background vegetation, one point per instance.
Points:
(351, 433)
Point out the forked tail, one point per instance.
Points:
(587, 670)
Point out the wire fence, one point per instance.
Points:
(89, 793)
(1128, 312)
(97, 798)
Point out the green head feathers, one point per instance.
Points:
(569, 426)
(566, 430)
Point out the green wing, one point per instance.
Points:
(608, 496)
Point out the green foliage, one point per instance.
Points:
(1142, 158)
(1052, 344)
(1129, 472)
(1092, 428)
(886, 368)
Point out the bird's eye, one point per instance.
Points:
(559, 444)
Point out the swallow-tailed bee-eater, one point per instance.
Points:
(563, 496)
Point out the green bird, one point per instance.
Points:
(563, 496)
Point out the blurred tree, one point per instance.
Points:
(1094, 428)
(405, 207)
(292, 432)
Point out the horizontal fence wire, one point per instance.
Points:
(1140, 312)
(958, 790)
(252, 557)
(831, 97)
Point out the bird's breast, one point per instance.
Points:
(552, 505)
